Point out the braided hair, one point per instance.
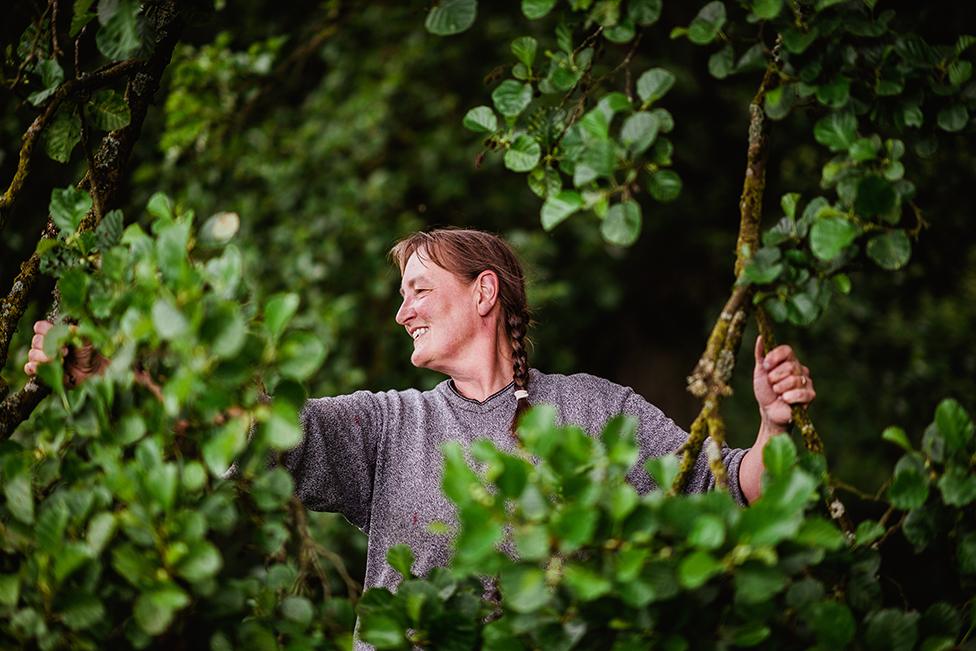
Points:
(466, 253)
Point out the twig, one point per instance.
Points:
(55, 44)
(33, 51)
(33, 132)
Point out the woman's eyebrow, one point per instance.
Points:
(413, 282)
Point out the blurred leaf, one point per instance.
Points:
(697, 568)
(897, 436)
(909, 488)
(665, 185)
(451, 17)
(644, 12)
(831, 235)
(890, 250)
(523, 155)
(837, 130)
(958, 486)
(622, 224)
(400, 558)
(524, 588)
(511, 97)
(663, 470)
(68, 207)
(107, 110)
(585, 584)
(481, 119)
(119, 37)
(534, 9)
(63, 134)
(767, 9)
(557, 208)
(154, 610)
(654, 84)
(955, 425)
(524, 48)
(707, 24)
(891, 630)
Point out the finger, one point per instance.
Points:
(789, 382)
(799, 396)
(783, 370)
(35, 355)
(37, 341)
(41, 327)
(30, 369)
(776, 356)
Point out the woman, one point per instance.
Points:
(375, 457)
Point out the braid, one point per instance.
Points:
(517, 324)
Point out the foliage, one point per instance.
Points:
(118, 526)
(121, 523)
(584, 562)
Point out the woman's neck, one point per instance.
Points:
(482, 380)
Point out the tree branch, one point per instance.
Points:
(110, 162)
(30, 138)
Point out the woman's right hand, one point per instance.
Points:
(79, 363)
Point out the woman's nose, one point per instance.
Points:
(405, 312)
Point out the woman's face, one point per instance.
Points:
(440, 313)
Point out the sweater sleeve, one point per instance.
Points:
(658, 435)
(334, 466)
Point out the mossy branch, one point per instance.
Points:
(102, 180)
(709, 379)
(30, 138)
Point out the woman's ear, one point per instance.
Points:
(487, 291)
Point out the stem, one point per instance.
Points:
(30, 138)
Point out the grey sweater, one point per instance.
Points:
(375, 457)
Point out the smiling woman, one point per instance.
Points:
(376, 457)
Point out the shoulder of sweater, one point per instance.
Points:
(579, 382)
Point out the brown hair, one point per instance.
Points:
(466, 253)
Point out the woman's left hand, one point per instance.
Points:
(780, 380)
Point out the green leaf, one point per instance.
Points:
(584, 583)
(545, 183)
(954, 424)
(81, 15)
(958, 486)
(767, 9)
(831, 235)
(108, 233)
(524, 588)
(481, 119)
(51, 77)
(821, 533)
(832, 623)
(966, 554)
(557, 208)
(451, 17)
(300, 355)
(764, 267)
(511, 97)
(755, 584)
(119, 37)
(639, 131)
(836, 93)
(63, 134)
(154, 610)
(644, 12)
(202, 562)
(721, 63)
(909, 488)
(282, 429)
(107, 110)
(623, 32)
(953, 118)
(9, 589)
(664, 185)
(708, 532)
(224, 444)
(169, 322)
(875, 196)
(779, 455)
(68, 207)
(278, 311)
(654, 84)
(524, 49)
(697, 568)
(891, 630)
(837, 131)
(400, 558)
(535, 9)
(663, 470)
(523, 155)
(867, 532)
(707, 24)
(298, 609)
(82, 611)
(897, 436)
(890, 250)
(622, 225)
(101, 528)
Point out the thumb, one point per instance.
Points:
(759, 351)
